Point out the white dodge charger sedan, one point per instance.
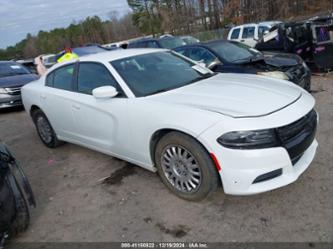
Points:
(197, 129)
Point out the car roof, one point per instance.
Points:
(112, 55)
(269, 23)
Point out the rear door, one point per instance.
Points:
(57, 98)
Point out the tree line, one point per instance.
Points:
(179, 16)
(155, 17)
(90, 30)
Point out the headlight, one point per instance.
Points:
(2, 90)
(258, 139)
(275, 74)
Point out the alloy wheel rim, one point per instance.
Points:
(181, 168)
(44, 129)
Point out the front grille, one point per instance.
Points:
(13, 90)
(298, 136)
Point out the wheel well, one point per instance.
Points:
(33, 109)
(157, 137)
(161, 133)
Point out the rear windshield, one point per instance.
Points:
(11, 69)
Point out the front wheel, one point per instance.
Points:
(185, 167)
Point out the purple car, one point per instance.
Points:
(12, 77)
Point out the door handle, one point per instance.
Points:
(76, 107)
(43, 96)
(242, 40)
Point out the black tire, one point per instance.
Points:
(22, 218)
(209, 179)
(53, 142)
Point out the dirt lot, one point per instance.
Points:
(135, 206)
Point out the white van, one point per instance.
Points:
(250, 33)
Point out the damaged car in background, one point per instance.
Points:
(163, 112)
(311, 39)
(234, 57)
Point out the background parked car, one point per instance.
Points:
(29, 64)
(234, 57)
(189, 39)
(15, 196)
(12, 77)
(250, 33)
(312, 40)
(167, 41)
(86, 50)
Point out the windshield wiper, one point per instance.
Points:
(202, 77)
(159, 91)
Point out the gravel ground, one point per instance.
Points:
(73, 204)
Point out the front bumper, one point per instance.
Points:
(252, 171)
(238, 176)
(7, 101)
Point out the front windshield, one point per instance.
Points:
(11, 69)
(235, 52)
(171, 42)
(156, 72)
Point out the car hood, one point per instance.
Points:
(17, 80)
(235, 95)
(281, 59)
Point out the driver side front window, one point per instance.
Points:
(93, 75)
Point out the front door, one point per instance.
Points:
(101, 123)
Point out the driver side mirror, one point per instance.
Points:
(212, 66)
(104, 92)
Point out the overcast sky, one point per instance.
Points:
(19, 17)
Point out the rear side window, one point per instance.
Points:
(262, 30)
(248, 32)
(136, 45)
(181, 51)
(61, 78)
(49, 80)
(152, 44)
(141, 44)
(235, 33)
(93, 75)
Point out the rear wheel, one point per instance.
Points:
(185, 167)
(45, 130)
